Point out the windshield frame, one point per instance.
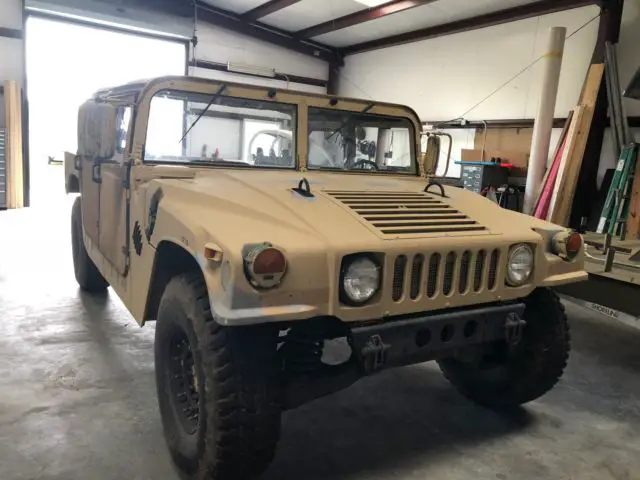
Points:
(301, 99)
(222, 162)
(413, 168)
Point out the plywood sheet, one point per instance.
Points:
(633, 220)
(515, 139)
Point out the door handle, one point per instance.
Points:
(95, 173)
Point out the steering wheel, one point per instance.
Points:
(363, 164)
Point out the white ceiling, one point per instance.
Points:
(307, 13)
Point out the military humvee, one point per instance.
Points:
(257, 225)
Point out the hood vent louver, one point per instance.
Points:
(406, 213)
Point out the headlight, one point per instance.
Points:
(360, 280)
(520, 264)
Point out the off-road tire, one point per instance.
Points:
(535, 366)
(237, 384)
(87, 274)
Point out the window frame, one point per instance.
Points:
(295, 120)
(415, 170)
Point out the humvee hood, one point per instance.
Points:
(338, 208)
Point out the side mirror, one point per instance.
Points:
(97, 130)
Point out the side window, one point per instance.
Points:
(122, 127)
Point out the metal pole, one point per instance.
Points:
(616, 136)
(616, 103)
(626, 133)
(544, 119)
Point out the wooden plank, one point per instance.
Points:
(13, 151)
(544, 199)
(569, 170)
(557, 155)
(633, 220)
(569, 147)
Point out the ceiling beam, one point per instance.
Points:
(542, 7)
(267, 9)
(361, 16)
(234, 22)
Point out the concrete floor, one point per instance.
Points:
(77, 396)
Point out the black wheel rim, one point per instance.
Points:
(183, 382)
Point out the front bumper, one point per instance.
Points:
(426, 337)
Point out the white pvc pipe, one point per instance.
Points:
(543, 124)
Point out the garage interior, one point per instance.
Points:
(77, 373)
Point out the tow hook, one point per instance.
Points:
(375, 354)
(513, 328)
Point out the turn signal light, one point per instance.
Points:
(567, 245)
(573, 245)
(269, 261)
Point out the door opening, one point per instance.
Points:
(66, 64)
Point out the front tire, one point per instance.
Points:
(511, 376)
(87, 274)
(218, 389)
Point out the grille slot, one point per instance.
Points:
(432, 281)
(406, 213)
(479, 270)
(416, 275)
(449, 267)
(398, 277)
(464, 272)
(493, 269)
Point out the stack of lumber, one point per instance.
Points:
(559, 186)
(13, 149)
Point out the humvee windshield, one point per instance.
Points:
(359, 141)
(217, 130)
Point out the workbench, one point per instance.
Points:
(614, 277)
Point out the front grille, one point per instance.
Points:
(406, 213)
(493, 269)
(434, 267)
(416, 275)
(479, 270)
(464, 272)
(447, 273)
(398, 277)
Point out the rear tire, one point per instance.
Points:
(218, 387)
(87, 274)
(511, 376)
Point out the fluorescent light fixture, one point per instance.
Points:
(372, 3)
(251, 70)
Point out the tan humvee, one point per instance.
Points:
(256, 225)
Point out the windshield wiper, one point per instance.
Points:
(348, 120)
(213, 99)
